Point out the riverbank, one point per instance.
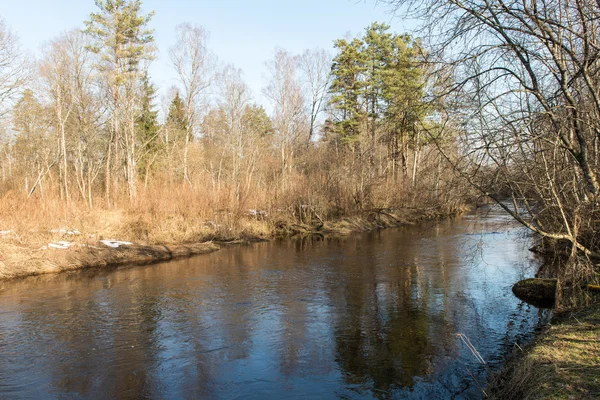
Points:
(562, 363)
(45, 251)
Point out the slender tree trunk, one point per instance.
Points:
(185, 157)
(131, 165)
(107, 168)
(64, 161)
(416, 160)
(404, 154)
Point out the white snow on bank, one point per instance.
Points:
(65, 245)
(60, 245)
(115, 243)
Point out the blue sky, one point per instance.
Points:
(242, 32)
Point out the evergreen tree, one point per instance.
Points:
(404, 96)
(377, 50)
(256, 122)
(177, 118)
(147, 121)
(147, 125)
(378, 92)
(120, 36)
(346, 88)
(33, 145)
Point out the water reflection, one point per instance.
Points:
(368, 316)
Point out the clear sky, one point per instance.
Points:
(242, 32)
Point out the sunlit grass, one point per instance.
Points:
(564, 363)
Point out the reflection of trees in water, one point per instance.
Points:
(377, 313)
(385, 336)
(397, 321)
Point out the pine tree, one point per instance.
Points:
(404, 96)
(377, 92)
(33, 144)
(177, 118)
(346, 88)
(377, 50)
(147, 125)
(120, 36)
(256, 122)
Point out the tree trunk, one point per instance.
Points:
(416, 160)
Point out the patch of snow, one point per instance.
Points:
(60, 245)
(115, 243)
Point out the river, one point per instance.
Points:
(373, 315)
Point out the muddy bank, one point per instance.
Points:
(562, 363)
(20, 260)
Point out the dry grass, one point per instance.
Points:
(325, 198)
(564, 363)
(173, 217)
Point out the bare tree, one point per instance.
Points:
(289, 116)
(14, 69)
(234, 97)
(193, 63)
(56, 69)
(315, 66)
(88, 116)
(526, 101)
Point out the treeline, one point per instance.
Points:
(83, 125)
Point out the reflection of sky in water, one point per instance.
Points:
(368, 316)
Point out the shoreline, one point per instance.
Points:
(28, 261)
(562, 362)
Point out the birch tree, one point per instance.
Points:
(285, 94)
(315, 68)
(56, 69)
(192, 62)
(234, 95)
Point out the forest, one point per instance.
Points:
(487, 100)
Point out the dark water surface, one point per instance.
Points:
(373, 315)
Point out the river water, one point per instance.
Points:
(374, 315)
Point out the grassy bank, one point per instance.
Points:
(562, 363)
(28, 249)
